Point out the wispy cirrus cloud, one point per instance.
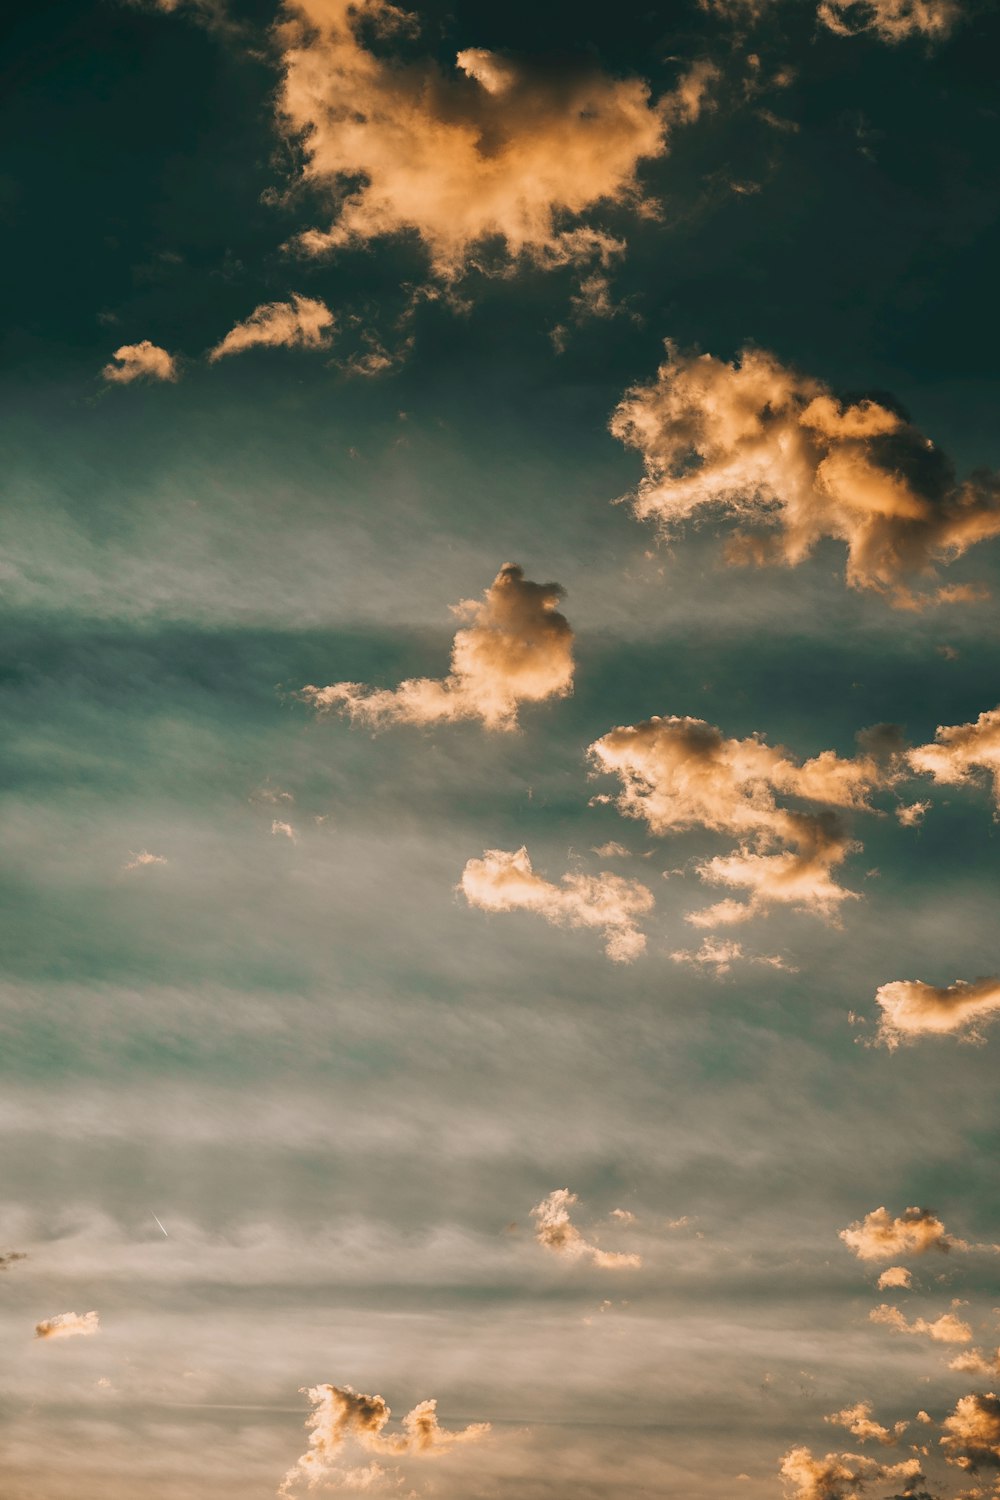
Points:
(778, 453)
(556, 1232)
(910, 1009)
(143, 361)
(303, 322)
(517, 648)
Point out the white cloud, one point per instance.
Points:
(143, 361)
(304, 322)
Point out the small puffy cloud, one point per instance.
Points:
(282, 830)
(975, 1362)
(342, 1416)
(859, 1422)
(68, 1325)
(972, 1433)
(517, 648)
(720, 954)
(894, 1276)
(837, 1476)
(912, 814)
(142, 858)
(143, 361)
(303, 323)
(947, 1329)
(681, 773)
(879, 1237)
(505, 881)
(962, 753)
(791, 464)
(556, 1232)
(493, 151)
(911, 1008)
(891, 20)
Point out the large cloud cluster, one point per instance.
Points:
(911, 1008)
(838, 1476)
(972, 1433)
(517, 648)
(341, 1415)
(491, 150)
(963, 752)
(792, 464)
(878, 1236)
(505, 881)
(556, 1231)
(681, 773)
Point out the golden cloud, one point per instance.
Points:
(962, 752)
(144, 361)
(68, 1325)
(556, 1232)
(304, 322)
(915, 1231)
(911, 1008)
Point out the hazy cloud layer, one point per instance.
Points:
(681, 773)
(915, 1231)
(911, 1009)
(491, 149)
(68, 1325)
(304, 322)
(516, 649)
(505, 881)
(777, 452)
(557, 1232)
(143, 361)
(963, 752)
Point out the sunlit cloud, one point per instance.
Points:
(779, 454)
(859, 1422)
(878, 1236)
(68, 1325)
(142, 859)
(556, 1231)
(971, 1438)
(304, 323)
(962, 753)
(947, 1329)
(504, 881)
(912, 1009)
(838, 1476)
(143, 361)
(517, 648)
(492, 154)
(891, 20)
(894, 1276)
(720, 954)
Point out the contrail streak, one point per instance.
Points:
(158, 1222)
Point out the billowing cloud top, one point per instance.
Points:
(960, 752)
(679, 773)
(496, 149)
(304, 322)
(859, 1422)
(837, 1476)
(972, 1433)
(505, 881)
(557, 1232)
(777, 451)
(68, 1325)
(911, 1008)
(947, 1329)
(916, 1230)
(143, 361)
(516, 649)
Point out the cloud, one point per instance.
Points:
(341, 1416)
(516, 649)
(503, 881)
(962, 753)
(837, 1476)
(858, 1421)
(720, 955)
(681, 773)
(284, 830)
(68, 1325)
(975, 1362)
(972, 1433)
(142, 858)
(911, 1008)
(493, 149)
(897, 1276)
(303, 323)
(557, 1232)
(913, 814)
(143, 361)
(915, 1231)
(947, 1329)
(891, 20)
(792, 464)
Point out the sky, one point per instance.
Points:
(498, 562)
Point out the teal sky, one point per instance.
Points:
(282, 1083)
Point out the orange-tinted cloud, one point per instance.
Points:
(505, 881)
(493, 149)
(879, 1237)
(972, 1433)
(911, 1009)
(516, 649)
(556, 1232)
(68, 1325)
(947, 1329)
(837, 1476)
(778, 453)
(304, 322)
(143, 361)
(891, 20)
(894, 1276)
(962, 753)
(859, 1422)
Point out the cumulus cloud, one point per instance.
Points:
(879, 1237)
(720, 954)
(891, 20)
(911, 1008)
(962, 753)
(859, 1422)
(68, 1325)
(792, 464)
(494, 149)
(304, 323)
(556, 1232)
(972, 1433)
(517, 648)
(505, 881)
(143, 361)
(897, 1276)
(342, 1416)
(947, 1329)
(975, 1362)
(681, 773)
(837, 1476)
